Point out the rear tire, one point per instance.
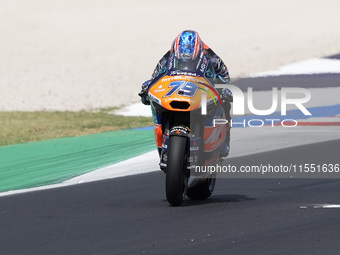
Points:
(202, 190)
(175, 180)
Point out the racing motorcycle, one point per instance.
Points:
(184, 105)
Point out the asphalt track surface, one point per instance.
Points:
(130, 215)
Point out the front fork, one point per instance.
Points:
(193, 146)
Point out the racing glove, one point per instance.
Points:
(226, 94)
(144, 91)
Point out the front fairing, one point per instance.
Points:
(182, 93)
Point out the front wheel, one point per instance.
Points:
(176, 181)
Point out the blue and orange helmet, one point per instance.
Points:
(187, 46)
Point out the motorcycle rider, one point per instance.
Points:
(189, 49)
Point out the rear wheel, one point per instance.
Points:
(206, 186)
(176, 181)
(202, 190)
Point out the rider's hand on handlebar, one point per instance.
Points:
(143, 93)
(226, 94)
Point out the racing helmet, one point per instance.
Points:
(187, 46)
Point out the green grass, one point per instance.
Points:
(23, 127)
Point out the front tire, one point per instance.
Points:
(176, 181)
